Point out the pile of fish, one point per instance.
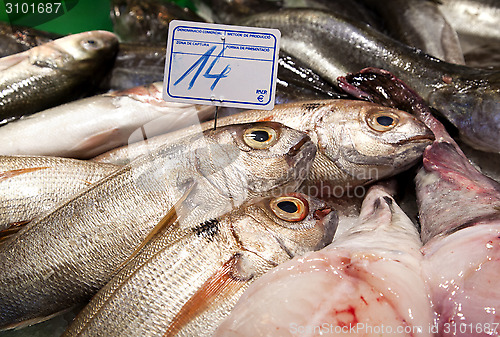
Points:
(348, 209)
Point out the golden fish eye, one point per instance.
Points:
(290, 208)
(382, 121)
(260, 137)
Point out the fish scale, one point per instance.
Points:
(30, 186)
(186, 281)
(62, 258)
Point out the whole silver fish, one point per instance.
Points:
(88, 127)
(30, 186)
(334, 45)
(64, 257)
(353, 147)
(53, 73)
(367, 281)
(185, 283)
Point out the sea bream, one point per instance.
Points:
(185, 283)
(358, 142)
(30, 186)
(367, 282)
(54, 73)
(90, 126)
(334, 45)
(63, 258)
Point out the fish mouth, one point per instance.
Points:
(297, 147)
(328, 219)
(427, 138)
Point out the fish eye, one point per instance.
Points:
(90, 44)
(382, 120)
(290, 208)
(260, 137)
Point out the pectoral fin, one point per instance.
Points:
(12, 229)
(223, 284)
(168, 220)
(12, 173)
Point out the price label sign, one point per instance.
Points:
(223, 65)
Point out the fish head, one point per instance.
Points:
(86, 50)
(287, 225)
(271, 157)
(373, 141)
(381, 224)
(473, 106)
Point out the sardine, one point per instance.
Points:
(353, 147)
(88, 127)
(369, 280)
(229, 11)
(53, 73)
(30, 186)
(64, 257)
(334, 45)
(185, 283)
(146, 21)
(16, 39)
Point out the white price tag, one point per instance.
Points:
(231, 66)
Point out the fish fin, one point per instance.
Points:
(12, 173)
(12, 229)
(12, 60)
(90, 143)
(168, 220)
(223, 284)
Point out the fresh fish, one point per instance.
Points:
(64, 257)
(354, 148)
(459, 212)
(295, 76)
(136, 64)
(146, 21)
(53, 73)
(460, 216)
(228, 11)
(186, 282)
(352, 9)
(334, 45)
(16, 39)
(420, 24)
(30, 186)
(90, 126)
(368, 282)
(474, 20)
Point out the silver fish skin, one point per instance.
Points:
(184, 284)
(53, 73)
(370, 276)
(473, 19)
(468, 97)
(352, 148)
(94, 125)
(420, 24)
(30, 186)
(64, 257)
